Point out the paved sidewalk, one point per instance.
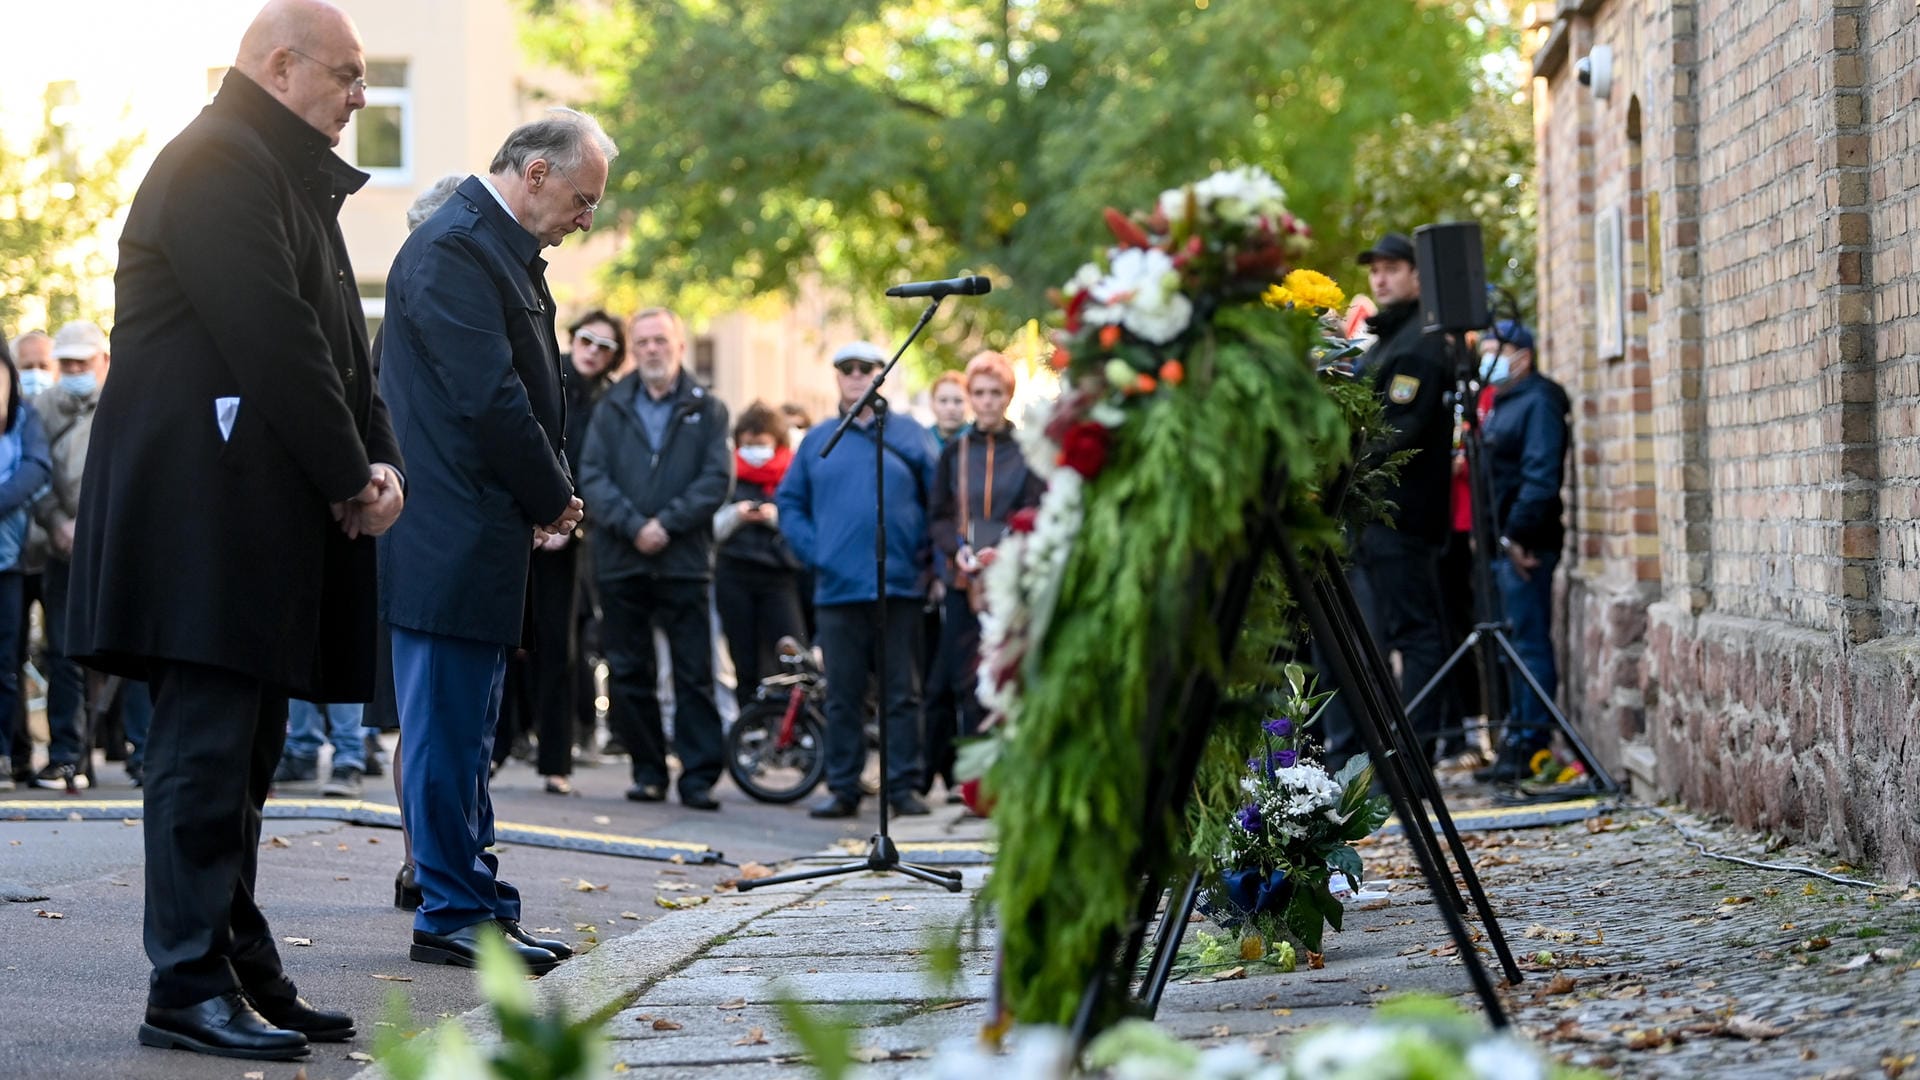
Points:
(1662, 962)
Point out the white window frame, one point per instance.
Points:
(402, 97)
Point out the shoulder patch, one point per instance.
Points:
(1402, 389)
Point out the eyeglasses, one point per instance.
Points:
(350, 81)
(588, 206)
(857, 367)
(586, 338)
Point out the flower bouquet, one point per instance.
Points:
(1190, 358)
(1294, 832)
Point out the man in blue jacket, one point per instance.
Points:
(1526, 438)
(657, 465)
(470, 367)
(827, 513)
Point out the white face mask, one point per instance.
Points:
(756, 456)
(1502, 370)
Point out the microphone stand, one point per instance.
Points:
(882, 855)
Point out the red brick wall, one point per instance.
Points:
(1743, 576)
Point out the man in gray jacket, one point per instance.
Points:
(657, 464)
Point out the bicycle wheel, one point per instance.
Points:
(768, 771)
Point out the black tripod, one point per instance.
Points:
(1490, 628)
(881, 852)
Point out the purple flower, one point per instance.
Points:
(1285, 759)
(1248, 818)
(1279, 726)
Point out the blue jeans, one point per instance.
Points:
(309, 725)
(66, 683)
(1529, 610)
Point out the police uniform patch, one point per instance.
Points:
(1402, 389)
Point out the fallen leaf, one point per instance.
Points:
(359, 1055)
(1219, 1031)
(1235, 972)
(341, 847)
(678, 860)
(602, 819)
(1648, 1040)
(303, 942)
(254, 1076)
(666, 1025)
(754, 1037)
(1732, 900)
(1316, 961)
(373, 839)
(280, 841)
(1748, 1027)
(736, 1003)
(45, 914)
(680, 904)
(634, 915)
(753, 871)
(583, 885)
(582, 928)
(673, 886)
(394, 978)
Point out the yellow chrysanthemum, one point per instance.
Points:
(1311, 288)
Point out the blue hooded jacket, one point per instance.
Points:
(826, 510)
(25, 468)
(1527, 445)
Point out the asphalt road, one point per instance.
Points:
(72, 989)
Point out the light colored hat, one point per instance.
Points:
(79, 341)
(859, 350)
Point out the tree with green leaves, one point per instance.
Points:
(53, 200)
(877, 141)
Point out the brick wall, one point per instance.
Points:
(1743, 584)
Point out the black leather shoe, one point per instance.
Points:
(462, 948)
(647, 793)
(909, 806)
(225, 1026)
(834, 806)
(512, 928)
(406, 891)
(699, 800)
(295, 1014)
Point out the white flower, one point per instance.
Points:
(1083, 279)
(1502, 1057)
(1239, 196)
(1365, 1051)
(1142, 293)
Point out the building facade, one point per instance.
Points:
(1728, 221)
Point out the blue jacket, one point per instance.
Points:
(470, 368)
(826, 511)
(25, 467)
(1526, 439)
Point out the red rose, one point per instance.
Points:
(1021, 521)
(1084, 450)
(1074, 307)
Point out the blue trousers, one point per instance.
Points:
(309, 724)
(448, 693)
(1529, 608)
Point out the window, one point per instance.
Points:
(373, 303)
(703, 359)
(380, 139)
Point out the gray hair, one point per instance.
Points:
(560, 140)
(430, 200)
(31, 335)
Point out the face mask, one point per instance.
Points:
(79, 385)
(34, 381)
(756, 456)
(1502, 370)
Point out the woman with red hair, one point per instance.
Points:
(981, 480)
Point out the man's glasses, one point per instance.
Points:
(350, 81)
(586, 338)
(587, 206)
(857, 367)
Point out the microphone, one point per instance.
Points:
(960, 286)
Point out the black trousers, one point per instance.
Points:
(953, 709)
(758, 606)
(1396, 581)
(630, 608)
(847, 636)
(211, 752)
(539, 696)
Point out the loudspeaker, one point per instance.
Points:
(1453, 277)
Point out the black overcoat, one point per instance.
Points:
(470, 364)
(240, 407)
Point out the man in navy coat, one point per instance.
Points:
(471, 371)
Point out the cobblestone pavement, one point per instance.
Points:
(1641, 958)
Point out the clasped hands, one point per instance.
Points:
(554, 535)
(373, 511)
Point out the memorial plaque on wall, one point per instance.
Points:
(1609, 283)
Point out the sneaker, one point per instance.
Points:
(295, 770)
(61, 775)
(908, 806)
(343, 783)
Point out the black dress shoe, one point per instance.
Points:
(406, 891)
(226, 1026)
(908, 806)
(647, 793)
(513, 929)
(834, 806)
(295, 1014)
(699, 800)
(462, 948)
